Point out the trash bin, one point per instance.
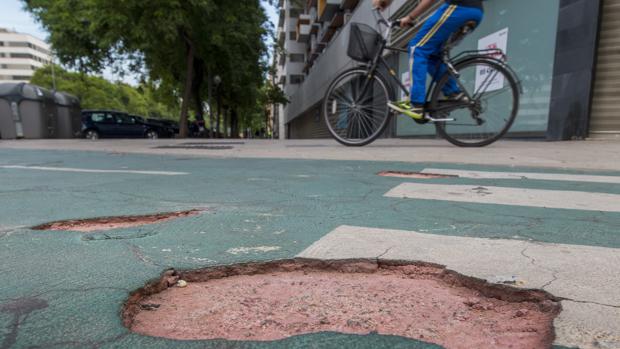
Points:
(31, 112)
(69, 115)
(38, 112)
(9, 112)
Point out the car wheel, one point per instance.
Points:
(92, 135)
(152, 134)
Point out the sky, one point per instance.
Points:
(12, 16)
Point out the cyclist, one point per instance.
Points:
(425, 48)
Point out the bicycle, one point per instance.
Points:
(356, 109)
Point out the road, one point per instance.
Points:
(550, 227)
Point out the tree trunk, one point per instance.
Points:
(227, 122)
(187, 92)
(234, 123)
(219, 114)
(209, 94)
(197, 87)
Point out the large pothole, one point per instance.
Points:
(276, 300)
(109, 223)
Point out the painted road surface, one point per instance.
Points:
(65, 289)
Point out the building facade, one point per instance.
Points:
(21, 55)
(565, 53)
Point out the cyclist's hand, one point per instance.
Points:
(406, 22)
(381, 4)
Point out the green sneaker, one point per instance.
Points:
(405, 107)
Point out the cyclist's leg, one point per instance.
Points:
(453, 18)
(419, 54)
(436, 69)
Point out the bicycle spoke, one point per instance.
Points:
(492, 110)
(355, 108)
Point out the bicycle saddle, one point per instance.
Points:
(461, 33)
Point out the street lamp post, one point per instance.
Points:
(217, 80)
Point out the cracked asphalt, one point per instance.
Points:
(65, 289)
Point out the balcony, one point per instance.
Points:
(304, 28)
(337, 20)
(281, 38)
(327, 8)
(349, 4)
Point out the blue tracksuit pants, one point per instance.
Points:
(426, 47)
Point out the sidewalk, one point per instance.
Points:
(600, 155)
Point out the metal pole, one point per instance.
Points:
(53, 74)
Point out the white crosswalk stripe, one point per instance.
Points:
(558, 199)
(524, 175)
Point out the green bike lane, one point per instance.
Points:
(65, 289)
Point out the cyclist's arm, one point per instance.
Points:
(422, 7)
(381, 4)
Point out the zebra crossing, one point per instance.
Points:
(584, 277)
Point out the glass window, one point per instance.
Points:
(19, 44)
(99, 117)
(124, 119)
(531, 53)
(296, 57)
(21, 55)
(297, 79)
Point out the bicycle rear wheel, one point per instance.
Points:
(491, 111)
(355, 107)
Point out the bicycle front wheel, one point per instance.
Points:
(488, 111)
(355, 107)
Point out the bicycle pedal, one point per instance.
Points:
(431, 119)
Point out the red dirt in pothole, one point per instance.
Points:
(273, 301)
(109, 223)
(414, 175)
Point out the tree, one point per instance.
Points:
(176, 43)
(97, 93)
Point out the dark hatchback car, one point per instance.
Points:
(113, 124)
(164, 128)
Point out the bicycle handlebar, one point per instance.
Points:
(384, 21)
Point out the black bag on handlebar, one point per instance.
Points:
(364, 42)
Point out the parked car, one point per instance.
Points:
(114, 124)
(162, 129)
(168, 127)
(169, 123)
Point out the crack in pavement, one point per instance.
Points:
(137, 252)
(533, 262)
(589, 302)
(384, 253)
(555, 278)
(20, 309)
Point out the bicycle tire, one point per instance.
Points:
(371, 120)
(445, 130)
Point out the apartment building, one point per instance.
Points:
(305, 29)
(21, 55)
(564, 51)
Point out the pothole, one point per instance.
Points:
(276, 300)
(196, 146)
(109, 223)
(415, 175)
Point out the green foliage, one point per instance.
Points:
(98, 93)
(159, 38)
